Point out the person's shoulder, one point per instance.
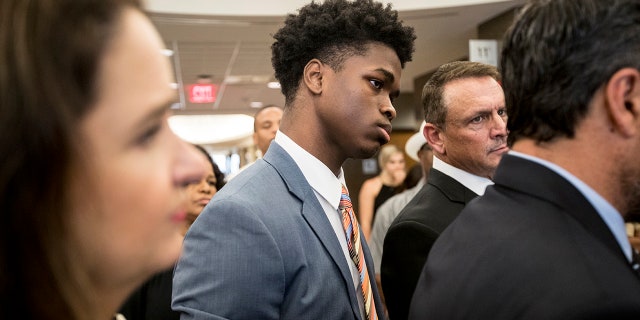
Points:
(258, 180)
(372, 183)
(397, 202)
(240, 170)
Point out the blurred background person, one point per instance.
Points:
(92, 179)
(201, 193)
(266, 123)
(375, 191)
(153, 300)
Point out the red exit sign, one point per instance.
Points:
(202, 93)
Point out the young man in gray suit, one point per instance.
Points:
(548, 241)
(467, 130)
(272, 244)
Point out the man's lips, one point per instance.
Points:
(501, 148)
(385, 129)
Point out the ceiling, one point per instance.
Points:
(233, 48)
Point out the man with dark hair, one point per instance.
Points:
(281, 241)
(466, 127)
(548, 241)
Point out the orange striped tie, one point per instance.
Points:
(352, 232)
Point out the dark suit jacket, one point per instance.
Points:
(152, 301)
(412, 234)
(263, 248)
(531, 248)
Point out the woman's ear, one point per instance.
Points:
(312, 76)
(622, 95)
(434, 137)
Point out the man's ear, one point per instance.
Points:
(434, 137)
(622, 95)
(312, 76)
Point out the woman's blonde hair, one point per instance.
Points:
(385, 154)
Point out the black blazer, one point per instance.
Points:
(532, 247)
(152, 301)
(411, 235)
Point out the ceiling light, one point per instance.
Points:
(273, 85)
(246, 79)
(256, 104)
(211, 129)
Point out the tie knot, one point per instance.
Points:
(345, 201)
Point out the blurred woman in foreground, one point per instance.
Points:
(92, 180)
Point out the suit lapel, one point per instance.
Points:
(541, 182)
(313, 213)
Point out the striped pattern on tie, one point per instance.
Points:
(352, 233)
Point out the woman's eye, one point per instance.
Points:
(377, 84)
(147, 136)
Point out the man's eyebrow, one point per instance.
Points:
(389, 77)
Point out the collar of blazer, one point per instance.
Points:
(450, 187)
(541, 182)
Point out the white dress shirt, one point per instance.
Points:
(475, 183)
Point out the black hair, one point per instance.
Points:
(333, 31)
(216, 170)
(557, 54)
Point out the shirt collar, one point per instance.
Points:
(475, 183)
(317, 174)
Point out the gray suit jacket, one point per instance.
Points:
(411, 235)
(264, 249)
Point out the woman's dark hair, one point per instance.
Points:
(50, 53)
(333, 31)
(216, 170)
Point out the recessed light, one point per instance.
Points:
(273, 85)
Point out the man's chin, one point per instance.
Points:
(368, 152)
